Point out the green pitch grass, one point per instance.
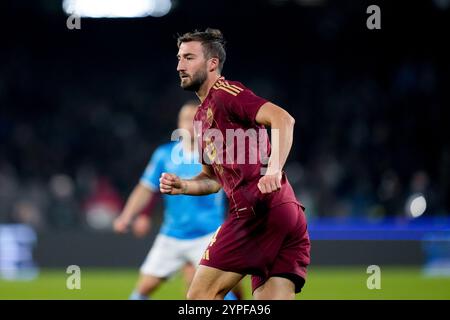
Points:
(323, 283)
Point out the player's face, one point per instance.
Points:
(192, 65)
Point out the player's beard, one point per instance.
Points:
(197, 81)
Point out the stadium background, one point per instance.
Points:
(82, 111)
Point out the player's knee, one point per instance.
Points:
(273, 295)
(283, 296)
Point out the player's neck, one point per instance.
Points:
(202, 93)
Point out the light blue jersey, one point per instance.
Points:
(185, 217)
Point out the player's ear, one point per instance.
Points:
(213, 64)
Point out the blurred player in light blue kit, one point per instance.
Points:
(189, 221)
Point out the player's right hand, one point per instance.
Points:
(121, 225)
(170, 184)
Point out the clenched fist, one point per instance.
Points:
(270, 183)
(171, 184)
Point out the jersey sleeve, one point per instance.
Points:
(153, 171)
(244, 106)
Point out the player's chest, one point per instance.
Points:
(211, 118)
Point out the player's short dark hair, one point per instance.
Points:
(212, 41)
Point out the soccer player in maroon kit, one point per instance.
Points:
(265, 233)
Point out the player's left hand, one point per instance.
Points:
(270, 183)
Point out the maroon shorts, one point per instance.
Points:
(264, 243)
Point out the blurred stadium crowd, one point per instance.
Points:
(82, 112)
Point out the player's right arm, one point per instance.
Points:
(203, 184)
(136, 203)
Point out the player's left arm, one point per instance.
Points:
(282, 131)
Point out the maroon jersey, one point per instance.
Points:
(236, 146)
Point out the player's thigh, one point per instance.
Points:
(164, 258)
(212, 283)
(275, 288)
(196, 248)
